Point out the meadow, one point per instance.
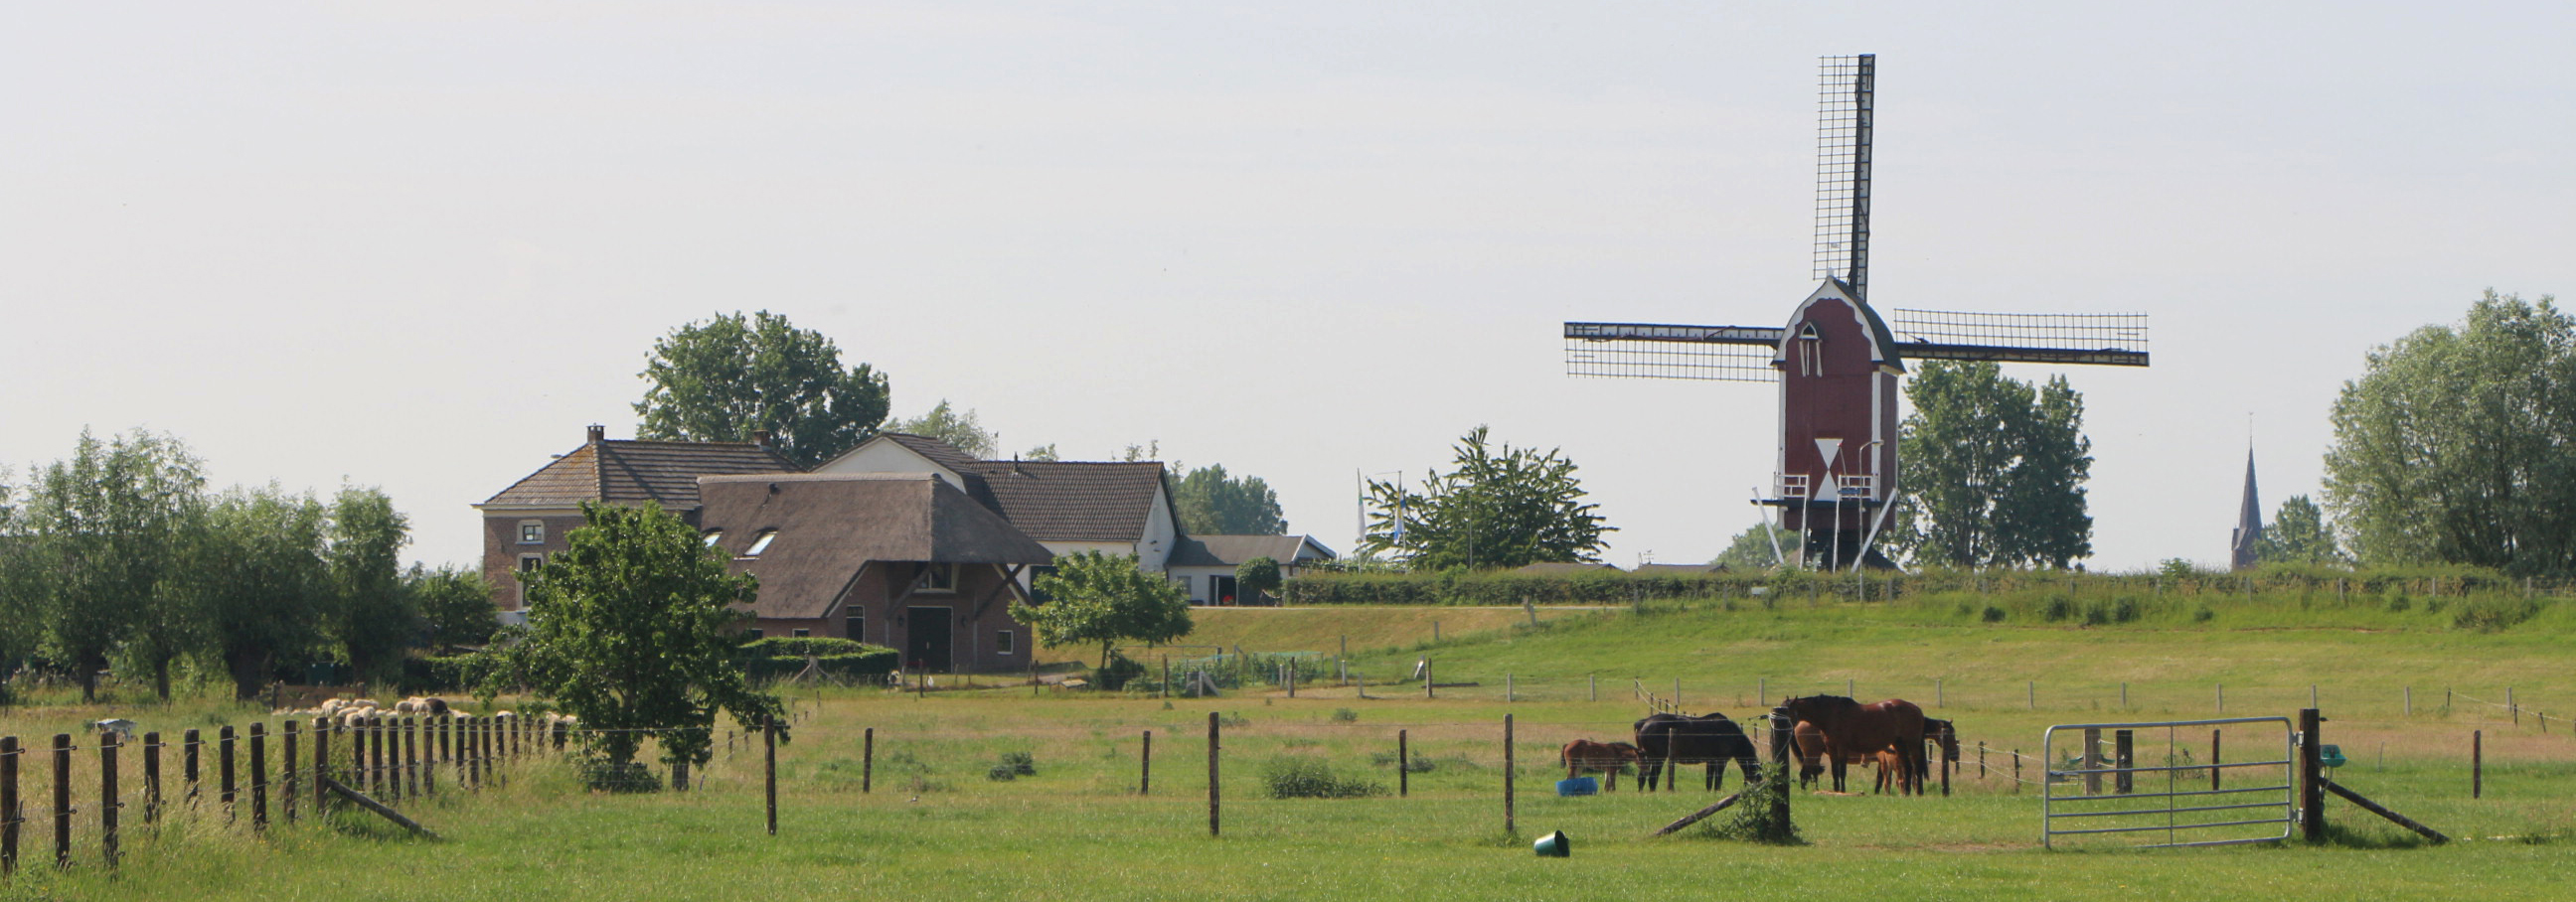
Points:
(935, 821)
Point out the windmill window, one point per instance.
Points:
(1810, 343)
(760, 543)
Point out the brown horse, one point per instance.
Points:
(1853, 729)
(1710, 739)
(1608, 758)
(1811, 753)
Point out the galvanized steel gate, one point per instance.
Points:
(2165, 800)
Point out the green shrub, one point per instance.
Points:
(800, 646)
(1345, 715)
(2399, 602)
(876, 662)
(2203, 614)
(1992, 614)
(1020, 764)
(453, 673)
(2059, 609)
(2489, 613)
(1306, 777)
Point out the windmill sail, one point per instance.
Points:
(2111, 339)
(1843, 125)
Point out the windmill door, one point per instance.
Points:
(926, 639)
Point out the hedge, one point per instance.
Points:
(1504, 587)
(800, 646)
(872, 663)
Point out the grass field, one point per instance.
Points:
(936, 825)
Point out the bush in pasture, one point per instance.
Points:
(1021, 764)
(1420, 764)
(2058, 610)
(1345, 715)
(1750, 819)
(2399, 603)
(2489, 613)
(1231, 719)
(2203, 614)
(1305, 777)
(604, 775)
(1992, 614)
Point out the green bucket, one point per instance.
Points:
(1553, 845)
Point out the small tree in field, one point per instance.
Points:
(632, 629)
(1103, 599)
(1255, 578)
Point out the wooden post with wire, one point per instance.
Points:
(258, 776)
(769, 765)
(1403, 764)
(225, 787)
(189, 746)
(867, 759)
(62, 800)
(321, 767)
(2312, 793)
(151, 780)
(1508, 822)
(286, 769)
(2477, 763)
(1214, 828)
(107, 804)
(1145, 766)
(9, 814)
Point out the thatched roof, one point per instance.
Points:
(829, 525)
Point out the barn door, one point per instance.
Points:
(926, 639)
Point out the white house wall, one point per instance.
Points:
(889, 457)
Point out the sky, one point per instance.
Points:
(421, 246)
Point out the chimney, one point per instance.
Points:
(760, 437)
(598, 433)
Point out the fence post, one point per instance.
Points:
(2214, 770)
(2222, 697)
(107, 803)
(1403, 764)
(224, 769)
(1508, 825)
(410, 732)
(868, 759)
(189, 745)
(2016, 755)
(2034, 695)
(1511, 690)
(1940, 688)
(258, 776)
(151, 780)
(358, 754)
(1145, 766)
(2510, 706)
(2477, 763)
(1427, 679)
(2312, 794)
(62, 800)
(286, 769)
(1780, 748)
(429, 752)
(321, 767)
(769, 767)
(9, 813)
(2123, 749)
(1592, 685)
(2092, 761)
(2124, 695)
(1212, 765)
(2410, 701)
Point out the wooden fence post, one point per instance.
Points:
(2123, 748)
(107, 803)
(286, 769)
(867, 759)
(1509, 827)
(62, 800)
(9, 813)
(429, 752)
(224, 769)
(2312, 793)
(411, 755)
(2477, 763)
(1145, 766)
(2092, 761)
(151, 780)
(358, 753)
(189, 744)
(1403, 764)
(1427, 679)
(321, 767)
(2214, 770)
(258, 776)
(769, 765)
(1213, 736)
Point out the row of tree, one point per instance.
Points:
(725, 378)
(121, 556)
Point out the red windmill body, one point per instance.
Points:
(1836, 361)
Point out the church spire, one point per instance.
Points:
(2249, 521)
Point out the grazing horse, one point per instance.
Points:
(1943, 734)
(1853, 729)
(1711, 739)
(1609, 758)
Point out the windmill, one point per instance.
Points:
(1837, 360)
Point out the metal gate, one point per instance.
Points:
(2113, 793)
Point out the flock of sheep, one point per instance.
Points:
(355, 712)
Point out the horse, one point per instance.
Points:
(1811, 753)
(1609, 758)
(1711, 739)
(1891, 767)
(1851, 728)
(1943, 734)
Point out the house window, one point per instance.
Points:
(714, 536)
(939, 578)
(855, 624)
(760, 543)
(1002, 642)
(1038, 595)
(532, 532)
(528, 564)
(751, 634)
(800, 634)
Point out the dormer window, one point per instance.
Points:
(760, 543)
(714, 536)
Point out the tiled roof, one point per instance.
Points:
(637, 471)
(1232, 550)
(829, 525)
(1064, 501)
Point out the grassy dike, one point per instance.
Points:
(936, 825)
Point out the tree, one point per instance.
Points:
(2299, 535)
(101, 530)
(946, 424)
(632, 628)
(1041, 452)
(1213, 503)
(456, 604)
(1758, 547)
(726, 378)
(370, 616)
(2451, 445)
(1993, 470)
(1496, 508)
(258, 573)
(1255, 578)
(1095, 598)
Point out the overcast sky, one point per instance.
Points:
(421, 246)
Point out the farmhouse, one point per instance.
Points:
(1205, 565)
(904, 560)
(525, 524)
(1115, 508)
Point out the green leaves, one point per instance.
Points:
(1255, 578)
(632, 628)
(2298, 534)
(1993, 470)
(1213, 503)
(2451, 446)
(1105, 600)
(1500, 508)
(726, 378)
(946, 424)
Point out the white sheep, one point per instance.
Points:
(123, 728)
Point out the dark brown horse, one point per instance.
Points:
(1608, 758)
(1711, 739)
(1854, 729)
(1811, 753)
